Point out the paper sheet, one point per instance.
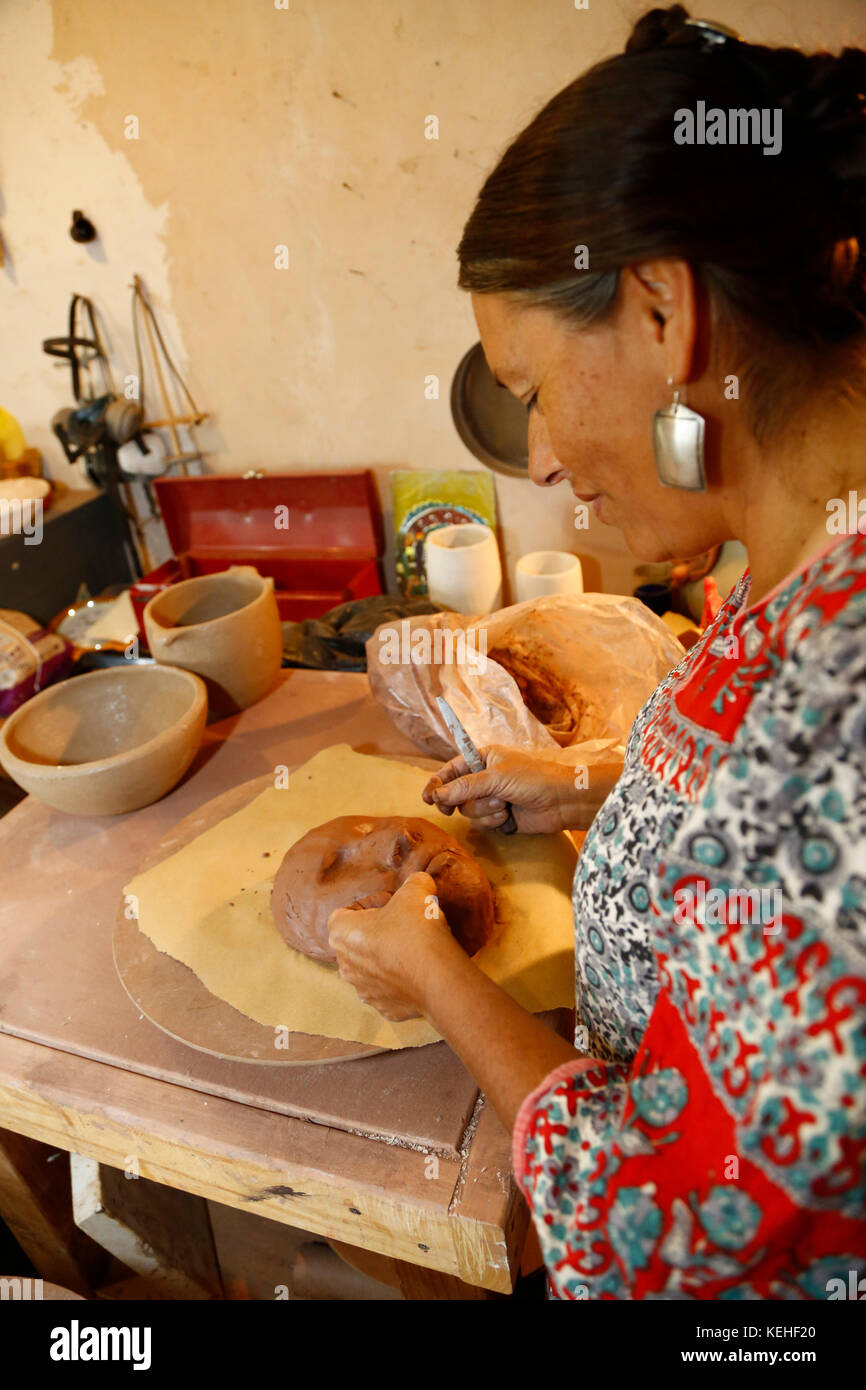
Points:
(208, 904)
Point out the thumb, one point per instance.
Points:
(414, 889)
(472, 787)
(341, 920)
(418, 896)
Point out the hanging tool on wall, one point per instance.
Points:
(142, 309)
(99, 424)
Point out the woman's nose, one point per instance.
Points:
(544, 467)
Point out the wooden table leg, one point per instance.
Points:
(36, 1204)
(162, 1235)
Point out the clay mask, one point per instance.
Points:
(363, 860)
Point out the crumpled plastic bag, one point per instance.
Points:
(335, 641)
(598, 658)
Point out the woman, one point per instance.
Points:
(714, 1146)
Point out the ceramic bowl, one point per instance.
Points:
(108, 742)
(223, 626)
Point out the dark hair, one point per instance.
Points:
(778, 241)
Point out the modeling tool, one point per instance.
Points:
(473, 758)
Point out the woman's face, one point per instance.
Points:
(594, 392)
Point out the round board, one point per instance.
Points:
(174, 998)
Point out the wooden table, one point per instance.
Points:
(396, 1154)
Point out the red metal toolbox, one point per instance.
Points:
(318, 534)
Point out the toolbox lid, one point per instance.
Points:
(327, 513)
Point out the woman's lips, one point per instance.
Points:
(594, 499)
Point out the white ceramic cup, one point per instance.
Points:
(548, 572)
(463, 569)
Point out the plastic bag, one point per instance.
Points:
(586, 664)
(30, 659)
(335, 641)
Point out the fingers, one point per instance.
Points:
(358, 935)
(413, 890)
(471, 787)
(458, 767)
(377, 899)
(490, 821)
(342, 922)
(395, 1013)
(346, 924)
(347, 916)
(388, 1007)
(480, 811)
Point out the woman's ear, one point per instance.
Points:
(666, 293)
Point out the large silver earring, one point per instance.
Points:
(678, 443)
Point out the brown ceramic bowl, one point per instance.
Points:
(108, 742)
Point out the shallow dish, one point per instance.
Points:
(108, 742)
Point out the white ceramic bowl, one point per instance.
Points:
(108, 742)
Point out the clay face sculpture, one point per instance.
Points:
(362, 860)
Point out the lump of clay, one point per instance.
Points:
(362, 860)
(553, 700)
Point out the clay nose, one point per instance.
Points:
(401, 849)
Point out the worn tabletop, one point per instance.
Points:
(395, 1153)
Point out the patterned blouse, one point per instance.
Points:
(713, 1144)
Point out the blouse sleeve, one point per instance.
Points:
(728, 1161)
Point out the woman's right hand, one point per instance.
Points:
(538, 791)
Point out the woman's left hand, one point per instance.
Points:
(385, 952)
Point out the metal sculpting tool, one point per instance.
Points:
(470, 753)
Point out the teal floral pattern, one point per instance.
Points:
(717, 1148)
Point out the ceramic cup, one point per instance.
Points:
(463, 569)
(547, 572)
(226, 628)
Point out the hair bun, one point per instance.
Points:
(824, 97)
(833, 100)
(663, 28)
